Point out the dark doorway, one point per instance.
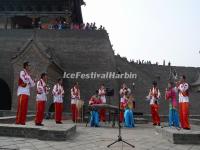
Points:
(22, 22)
(5, 100)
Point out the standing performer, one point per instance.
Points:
(75, 95)
(25, 82)
(170, 95)
(124, 92)
(41, 98)
(94, 119)
(58, 94)
(102, 95)
(154, 95)
(128, 114)
(183, 89)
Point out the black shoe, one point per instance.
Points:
(39, 124)
(186, 128)
(20, 124)
(58, 122)
(158, 124)
(154, 124)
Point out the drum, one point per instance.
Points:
(79, 106)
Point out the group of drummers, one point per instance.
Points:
(127, 103)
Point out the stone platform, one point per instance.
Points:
(12, 119)
(50, 130)
(195, 121)
(141, 120)
(182, 136)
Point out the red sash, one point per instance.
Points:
(186, 93)
(21, 82)
(155, 93)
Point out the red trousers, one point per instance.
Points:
(40, 109)
(184, 114)
(121, 115)
(103, 115)
(155, 114)
(22, 109)
(58, 111)
(74, 111)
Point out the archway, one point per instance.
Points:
(22, 22)
(5, 93)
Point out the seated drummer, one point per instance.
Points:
(128, 114)
(94, 119)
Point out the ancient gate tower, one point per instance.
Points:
(29, 13)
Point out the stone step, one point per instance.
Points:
(182, 136)
(195, 121)
(51, 130)
(12, 119)
(141, 120)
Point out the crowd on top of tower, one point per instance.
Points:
(60, 24)
(148, 62)
(87, 26)
(145, 62)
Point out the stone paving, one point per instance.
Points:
(144, 137)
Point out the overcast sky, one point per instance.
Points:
(153, 30)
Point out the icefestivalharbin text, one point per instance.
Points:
(95, 75)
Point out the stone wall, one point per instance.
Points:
(82, 51)
(10, 43)
(86, 52)
(76, 51)
(148, 73)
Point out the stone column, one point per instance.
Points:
(9, 23)
(2, 23)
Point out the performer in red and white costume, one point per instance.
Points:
(75, 96)
(102, 96)
(25, 82)
(41, 98)
(183, 88)
(58, 94)
(154, 95)
(124, 93)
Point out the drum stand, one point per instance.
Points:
(119, 135)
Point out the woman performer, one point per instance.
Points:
(75, 95)
(124, 92)
(128, 114)
(94, 119)
(170, 95)
(154, 95)
(58, 94)
(102, 95)
(183, 89)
